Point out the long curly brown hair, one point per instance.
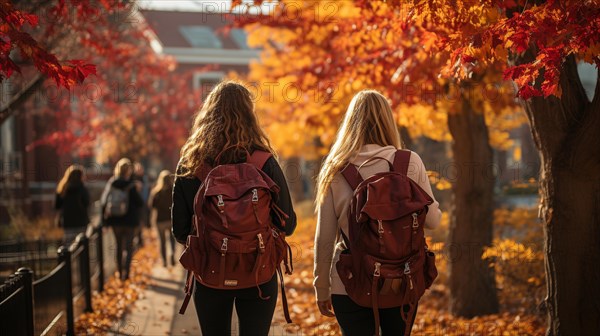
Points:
(227, 118)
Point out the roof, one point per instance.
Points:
(176, 29)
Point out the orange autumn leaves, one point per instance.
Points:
(329, 50)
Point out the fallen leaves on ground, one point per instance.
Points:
(110, 305)
(433, 317)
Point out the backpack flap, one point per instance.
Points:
(389, 198)
(233, 181)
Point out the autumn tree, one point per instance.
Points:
(132, 104)
(349, 46)
(45, 35)
(540, 44)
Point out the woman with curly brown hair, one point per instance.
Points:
(227, 119)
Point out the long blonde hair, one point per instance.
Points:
(123, 168)
(368, 120)
(227, 118)
(73, 175)
(164, 181)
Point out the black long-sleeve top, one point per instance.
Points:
(73, 204)
(185, 190)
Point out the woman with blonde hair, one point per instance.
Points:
(120, 202)
(72, 200)
(367, 131)
(160, 201)
(227, 118)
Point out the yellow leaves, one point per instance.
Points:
(509, 250)
(438, 181)
(423, 120)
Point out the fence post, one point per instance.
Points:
(27, 281)
(84, 264)
(64, 255)
(100, 257)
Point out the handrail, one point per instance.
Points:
(18, 290)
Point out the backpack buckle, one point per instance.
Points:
(380, 229)
(254, 195)
(415, 223)
(261, 243)
(224, 245)
(377, 271)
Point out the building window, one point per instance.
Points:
(240, 38)
(201, 37)
(206, 81)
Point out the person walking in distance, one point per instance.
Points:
(72, 202)
(161, 198)
(368, 155)
(120, 203)
(241, 225)
(143, 213)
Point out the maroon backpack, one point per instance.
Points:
(386, 263)
(234, 243)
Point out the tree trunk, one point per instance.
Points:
(472, 280)
(566, 133)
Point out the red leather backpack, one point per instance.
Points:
(386, 263)
(234, 243)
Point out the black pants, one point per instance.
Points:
(124, 236)
(215, 308)
(359, 321)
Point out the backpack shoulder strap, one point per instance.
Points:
(258, 158)
(352, 176)
(401, 161)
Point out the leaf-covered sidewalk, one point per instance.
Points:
(148, 304)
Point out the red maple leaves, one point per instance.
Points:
(17, 28)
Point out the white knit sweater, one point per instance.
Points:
(333, 212)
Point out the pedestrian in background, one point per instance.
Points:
(72, 202)
(161, 198)
(121, 201)
(143, 214)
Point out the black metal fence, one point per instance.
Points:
(48, 306)
(38, 255)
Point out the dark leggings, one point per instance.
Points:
(124, 236)
(359, 321)
(215, 308)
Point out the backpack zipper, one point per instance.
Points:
(415, 220)
(220, 202)
(254, 195)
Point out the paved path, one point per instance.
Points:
(157, 311)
